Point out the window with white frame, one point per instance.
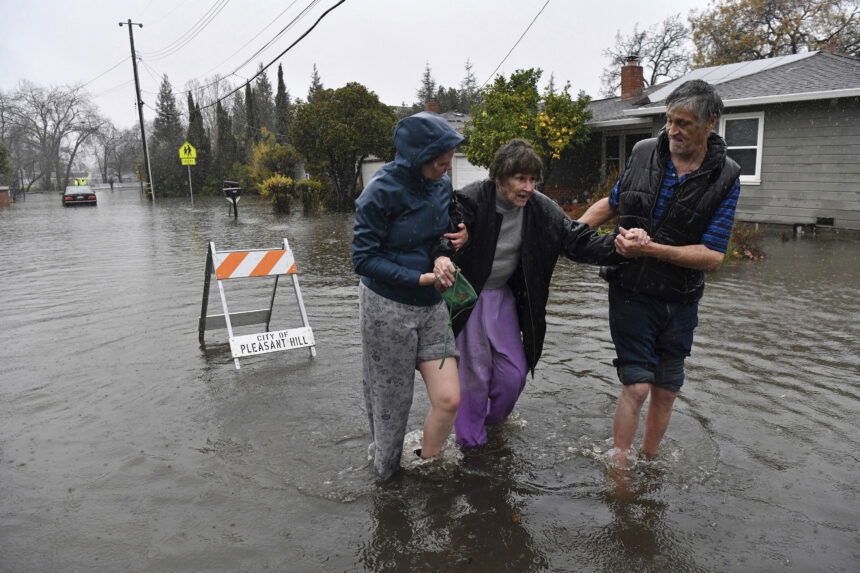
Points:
(744, 133)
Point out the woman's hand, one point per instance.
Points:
(444, 270)
(459, 238)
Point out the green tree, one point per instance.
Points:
(268, 158)
(5, 164)
(226, 148)
(282, 109)
(741, 30)
(316, 84)
(263, 102)
(427, 90)
(514, 108)
(336, 131)
(237, 122)
(167, 137)
(448, 99)
(197, 136)
(251, 133)
(470, 94)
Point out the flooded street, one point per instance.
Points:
(124, 446)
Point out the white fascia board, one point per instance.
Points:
(631, 121)
(761, 100)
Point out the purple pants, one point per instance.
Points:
(493, 366)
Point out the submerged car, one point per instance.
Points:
(79, 195)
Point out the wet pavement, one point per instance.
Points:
(124, 446)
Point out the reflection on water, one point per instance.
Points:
(125, 446)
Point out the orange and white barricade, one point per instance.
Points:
(229, 265)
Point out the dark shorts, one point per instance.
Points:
(652, 338)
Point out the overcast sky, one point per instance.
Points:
(383, 44)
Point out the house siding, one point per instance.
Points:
(810, 165)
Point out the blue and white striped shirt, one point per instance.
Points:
(716, 236)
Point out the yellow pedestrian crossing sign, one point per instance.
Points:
(188, 154)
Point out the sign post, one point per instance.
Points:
(229, 265)
(188, 155)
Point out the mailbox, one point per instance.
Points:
(232, 192)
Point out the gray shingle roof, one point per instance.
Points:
(813, 74)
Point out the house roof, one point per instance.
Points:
(457, 119)
(798, 77)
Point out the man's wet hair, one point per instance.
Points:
(699, 97)
(516, 156)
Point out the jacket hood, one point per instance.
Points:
(422, 137)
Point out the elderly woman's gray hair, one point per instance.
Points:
(516, 156)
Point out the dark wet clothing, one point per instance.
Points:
(694, 203)
(399, 220)
(547, 232)
(401, 215)
(653, 304)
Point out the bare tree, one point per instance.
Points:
(740, 30)
(53, 123)
(126, 153)
(102, 147)
(206, 94)
(663, 51)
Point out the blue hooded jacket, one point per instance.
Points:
(401, 215)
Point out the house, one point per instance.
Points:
(462, 172)
(791, 122)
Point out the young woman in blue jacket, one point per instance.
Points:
(401, 216)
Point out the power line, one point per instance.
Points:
(114, 88)
(257, 35)
(279, 56)
(294, 21)
(189, 34)
(515, 45)
(118, 64)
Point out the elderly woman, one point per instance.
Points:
(516, 235)
(400, 219)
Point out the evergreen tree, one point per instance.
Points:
(427, 91)
(167, 138)
(316, 84)
(225, 146)
(252, 122)
(237, 127)
(469, 93)
(448, 99)
(282, 109)
(198, 137)
(263, 104)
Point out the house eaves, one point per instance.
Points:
(626, 122)
(760, 100)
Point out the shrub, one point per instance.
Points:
(310, 193)
(745, 243)
(280, 191)
(603, 189)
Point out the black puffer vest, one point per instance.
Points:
(683, 223)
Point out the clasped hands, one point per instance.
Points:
(632, 243)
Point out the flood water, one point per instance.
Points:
(124, 446)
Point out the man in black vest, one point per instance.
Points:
(681, 189)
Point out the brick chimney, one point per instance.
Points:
(632, 78)
(433, 106)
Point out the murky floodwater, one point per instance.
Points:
(125, 447)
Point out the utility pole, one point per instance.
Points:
(130, 25)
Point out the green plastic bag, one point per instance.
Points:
(459, 297)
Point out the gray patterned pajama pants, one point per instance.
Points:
(395, 338)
